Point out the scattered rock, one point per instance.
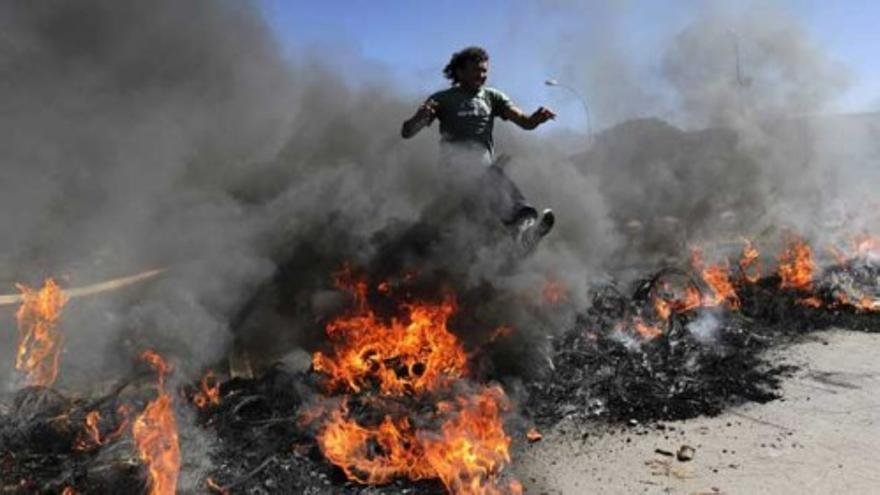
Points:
(685, 453)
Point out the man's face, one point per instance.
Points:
(473, 74)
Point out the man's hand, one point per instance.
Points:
(426, 114)
(541, 115)
(528, 123)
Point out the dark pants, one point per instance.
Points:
(479, 188)
(502, 198)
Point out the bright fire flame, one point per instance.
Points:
(472, 448)
(645, 330)
(93, 437)
(209, 391)
(155, 434)
(717, 277)
(462, 441)
(467, 454)
(39, 343)
(412, 355)
(796, 265)
(811, 301)
(749, 262)
(664, 307)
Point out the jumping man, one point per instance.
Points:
(466, 112)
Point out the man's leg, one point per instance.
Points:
(510, 205)
(505, 199)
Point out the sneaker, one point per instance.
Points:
(533, 230)
(545, 224)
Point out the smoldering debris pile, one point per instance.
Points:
(50, 447)
(387, 402)
(372, 409)
(691, 343)
(601, 373)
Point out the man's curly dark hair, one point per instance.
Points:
(462, 57)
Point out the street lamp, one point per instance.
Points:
(742, 81)
(554, 82)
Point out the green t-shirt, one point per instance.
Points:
(466, 117)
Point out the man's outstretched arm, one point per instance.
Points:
(422, 118)
(528, 122)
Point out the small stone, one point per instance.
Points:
(685, 453)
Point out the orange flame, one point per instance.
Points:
(645, 330)
(663, 308)
(717, 277)
(93, 433)
(554, 292)
(868, 304)
(93, 437)
(467, 455)
(412, 355)
(796, 265)
(691, 301)
(865, 303)
(473, 447)
(212, 485)
(39, 342)
(503, 331)
(155, 435)
(749, 262)
(209, 391)
(811, 301)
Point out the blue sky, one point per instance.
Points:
(406, 43)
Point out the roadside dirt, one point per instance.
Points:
(822, 437)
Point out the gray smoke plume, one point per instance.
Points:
(170, 135)
(137, 136)
(747, 143)
(125, 126)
